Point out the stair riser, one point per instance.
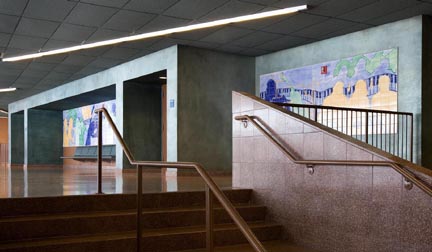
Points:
(92, 203)
(117, 223)
(160, 243)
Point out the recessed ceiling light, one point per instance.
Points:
(11, 89)
(162, 77)
(163, 32)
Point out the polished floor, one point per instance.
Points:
(38, 182)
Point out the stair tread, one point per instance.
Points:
(272, 246)
(116, 213)
(122, 235)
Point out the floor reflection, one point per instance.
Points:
(36, 182)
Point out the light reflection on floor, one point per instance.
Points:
(36, 182)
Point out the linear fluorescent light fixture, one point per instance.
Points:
(162, 32)
(11, 89)
(4, 111)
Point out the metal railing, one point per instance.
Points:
(212, 190)
(389, 131)
(409, 177)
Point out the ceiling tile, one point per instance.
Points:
(254, 52)
(104, 62)
(39, 66)
(226, 35)
(52, 59)
(282, 43)
(377, 9)
(76, 33)
(256, 38)
(141, 44)
(97, 51)
(4, 39)
(128, 21)
(62, 68)
(8, 23)
(79, 60)
(120, 53)
(261, 23)
(163, 43)
(109, 3)
(193, 9)
(347, 30)
(323, 28)
(295, 23)
(57, 44)
(25, 42)
(33, 73)
(90, 15)
(421, 8)
(291, 3)
(12, 7)
(48, 9)
(334, 8)
(232, 9)
(28, 81)
(57, 76)
(104, 34)
(263, 2)
(161, 23)
(36, 28)
(150, 6)
(89, 70)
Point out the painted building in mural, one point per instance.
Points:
(80, 125)
(362, 81)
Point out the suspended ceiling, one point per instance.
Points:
(28, 26)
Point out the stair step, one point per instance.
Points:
(156, 240)
(110, 202)
(27, 227)
(272, 246)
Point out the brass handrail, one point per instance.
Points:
(212, 189)
(409, 176)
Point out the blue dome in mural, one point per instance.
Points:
(270, 90)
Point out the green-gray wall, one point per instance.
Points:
(205, 81)
(426, 112)
(16, 138)
(406, 35)
(44, 137)
(142, 120)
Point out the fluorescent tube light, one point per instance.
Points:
(4, 111)
(162, 77)
(7, 89)
(163, 32)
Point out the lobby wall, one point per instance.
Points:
(406, 35)
(206, 79)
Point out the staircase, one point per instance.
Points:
(172, 221)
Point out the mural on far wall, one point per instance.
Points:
(362, 81)
(80, 125)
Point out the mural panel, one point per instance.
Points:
(80, 125)
(362, 81)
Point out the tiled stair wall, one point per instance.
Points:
(338, 208)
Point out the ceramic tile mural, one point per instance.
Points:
(363, 81)
(80, 125)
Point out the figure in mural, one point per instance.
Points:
(336, 97)
(385, 99)
(360, 98)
